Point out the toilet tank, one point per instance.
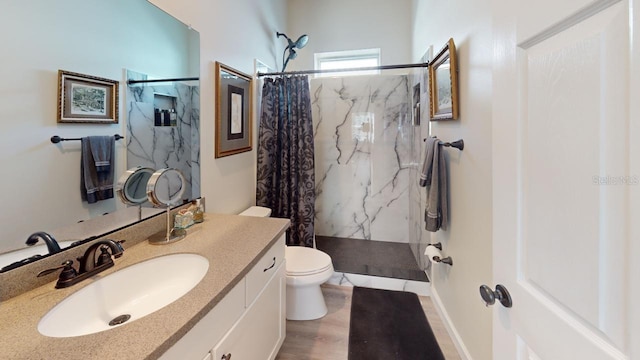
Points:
(257, 211)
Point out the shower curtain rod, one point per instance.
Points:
(129, 82)
(381, 67)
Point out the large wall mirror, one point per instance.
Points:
(117, 40)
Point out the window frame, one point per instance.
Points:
(346, 55)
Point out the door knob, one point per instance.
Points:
(501, 294)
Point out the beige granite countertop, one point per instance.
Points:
(231, 243)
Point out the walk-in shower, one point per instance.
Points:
(364, 137)
(367, 150)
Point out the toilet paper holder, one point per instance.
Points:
(447, 260)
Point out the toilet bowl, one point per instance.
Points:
(306, 269)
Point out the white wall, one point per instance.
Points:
(234, 33)
(336, 25)
(40, 181)
(469, 238)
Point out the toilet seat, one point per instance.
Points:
(304, 261)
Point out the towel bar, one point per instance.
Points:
(56, 139)
(458, 144)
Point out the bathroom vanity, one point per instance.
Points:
(249, 322)
(237, 309)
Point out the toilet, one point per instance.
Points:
(306, 269)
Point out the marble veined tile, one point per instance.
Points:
(164, 146)
(417, 194)
(362, 133)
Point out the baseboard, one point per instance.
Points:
(453, 333)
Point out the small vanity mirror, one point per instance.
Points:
(165, 188)
(132, 185)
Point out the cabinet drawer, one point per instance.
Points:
(258, 277)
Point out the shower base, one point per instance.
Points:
(373, 258)
(374, 264)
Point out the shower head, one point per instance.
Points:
(302, 41)
(291, 46)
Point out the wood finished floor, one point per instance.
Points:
(328, 338)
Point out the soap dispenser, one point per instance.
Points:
(198, 212)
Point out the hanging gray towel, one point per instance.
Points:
(102, 150)
(434, 177)
(96, 168)
(425, 175)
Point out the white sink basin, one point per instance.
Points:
(125, 295)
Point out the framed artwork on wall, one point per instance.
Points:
(87, 99)
(234, 96)
(443, 84)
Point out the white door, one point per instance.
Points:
(566, 150)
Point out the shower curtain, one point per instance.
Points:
(285, 176)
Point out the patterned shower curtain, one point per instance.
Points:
(286, 178)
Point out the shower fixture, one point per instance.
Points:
(291, 46)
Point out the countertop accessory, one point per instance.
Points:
(165, 188)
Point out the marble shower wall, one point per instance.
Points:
(417, 195)
(362, 132)
(164, 146)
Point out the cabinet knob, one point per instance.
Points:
(226, 357)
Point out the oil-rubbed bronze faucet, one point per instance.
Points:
(52, 244)
(89, 265)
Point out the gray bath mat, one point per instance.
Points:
(387, 325)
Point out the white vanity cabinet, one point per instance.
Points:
(248, 323)
(260, 331)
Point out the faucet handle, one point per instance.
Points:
(105, 256)
(67, 270)
(119, 243)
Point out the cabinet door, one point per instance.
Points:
(211, 328)
(264, 270)
(259, 333)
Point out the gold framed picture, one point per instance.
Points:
(234, 95)
(87, 99)
(443, 84)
